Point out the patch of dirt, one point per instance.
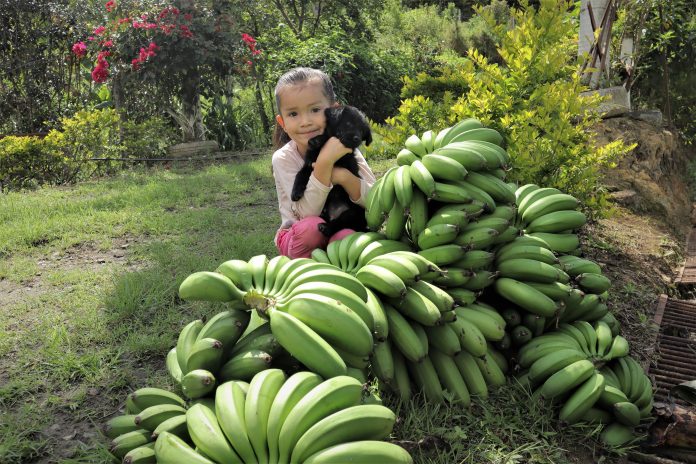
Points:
(82, 256)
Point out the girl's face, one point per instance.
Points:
(302, 112)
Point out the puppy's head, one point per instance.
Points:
(349, 125)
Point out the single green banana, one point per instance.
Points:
(405, 157)
(141, 455)
(245, 365)
(470, 336)
(626, 413)
(146, 397)
(291, 392)
(362, 422)
(593, 283)
(205, 354)
(207, 435)
(382, 362)
(262, 391)
(197, 383)
(547, 365)
(403, 187)
(404, 337)
(526, 297)
(460, 127)
(417, 214)
(176, 425)
(379, 316)
(415, 144)
(444, 338)
(119, 425)
(582, 399)
(274, 266)
(423, 179)
(617, 434)
(558, 221)
(549, 204)
(227, 327)
(170, 449)
(330, 396)
(426, 379)
(417, 307)
(566, 379)
(209, 286)
(362, 452)
(333, 321)
(230, 400)
(382, 280)
(123, 444)
(239, 272)
(306, 345)
(450, 377)
(471, 373)
(400, 265)
(150, 418)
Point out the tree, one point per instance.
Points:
(171, 47)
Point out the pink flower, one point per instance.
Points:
(185, 31)
(135, 64)
(123, 20)
(137, 25)
(188, 16)
(79, 49)
(248, 39)
(99, 30)
(256, 52)
(91, 39)
(110, 5)
(108, 43)
(100, 72)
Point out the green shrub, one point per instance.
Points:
(65, 154)
(147, 139)
(533, 98)
(26, 162)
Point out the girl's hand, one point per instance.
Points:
(333, 150)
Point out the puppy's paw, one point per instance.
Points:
(325, 229)
(296, 195)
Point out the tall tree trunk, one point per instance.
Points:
(190, 103)
(665, 71)
(262, 109)
(117, 99)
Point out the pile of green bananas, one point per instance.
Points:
(461, 276)
(273, 418)
(586, 369)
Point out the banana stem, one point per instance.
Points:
(257, 300)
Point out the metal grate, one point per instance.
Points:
(687, 274)
(676, 345)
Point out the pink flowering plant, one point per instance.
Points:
(177, 47)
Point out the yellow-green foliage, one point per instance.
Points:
(65, 154)
(27, 161)
(533, 98)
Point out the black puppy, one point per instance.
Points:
(349, 125)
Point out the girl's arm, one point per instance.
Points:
(331, 152)
(356, 187)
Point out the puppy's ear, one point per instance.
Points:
(333, 114)
(368, 137)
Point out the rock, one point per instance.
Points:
(652, 116)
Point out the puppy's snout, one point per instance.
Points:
(356, 139)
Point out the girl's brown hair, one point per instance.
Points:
(293, 77)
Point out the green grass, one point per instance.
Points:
(88, 310)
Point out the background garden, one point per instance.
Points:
(88, 272)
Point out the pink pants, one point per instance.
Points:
(303, 237)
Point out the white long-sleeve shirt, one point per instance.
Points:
(286, 162)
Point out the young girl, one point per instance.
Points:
(302, 95)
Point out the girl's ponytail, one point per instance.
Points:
(280, 137)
